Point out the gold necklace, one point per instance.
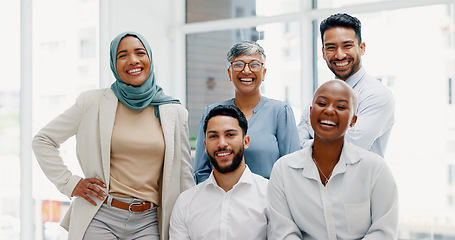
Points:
(326, 178)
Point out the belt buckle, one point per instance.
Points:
(135, 204)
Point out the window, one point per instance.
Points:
(10, 121)
(346, 3)
(207, 77)
(207, 10)
(65, 63)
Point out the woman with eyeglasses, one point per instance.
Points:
(271, 123)
(132, 146)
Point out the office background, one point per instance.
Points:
(52, 50)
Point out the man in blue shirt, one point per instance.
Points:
(342, 49)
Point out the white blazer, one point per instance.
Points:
(91, 119)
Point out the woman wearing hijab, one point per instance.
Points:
(332, 189)
(132, 146)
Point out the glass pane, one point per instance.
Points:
(10, 120)
(65, 63)
(208, 10)
(414, 57)
(343, 3)
(208, 80)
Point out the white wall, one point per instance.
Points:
(155, 20)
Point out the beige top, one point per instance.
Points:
(137, 154)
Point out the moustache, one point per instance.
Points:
(223, 149)
(337, 60)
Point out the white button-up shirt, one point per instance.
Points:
(359, 201)
(206, 211)
(375, 115)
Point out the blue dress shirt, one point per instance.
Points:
(273, 134)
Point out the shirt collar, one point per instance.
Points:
(260, 104)
(304, 160)
(246, 178)
(355, 78)
(256, 109)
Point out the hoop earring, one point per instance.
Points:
(306, 120)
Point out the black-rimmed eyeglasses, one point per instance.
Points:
(254, 66)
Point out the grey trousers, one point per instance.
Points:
(113, 223)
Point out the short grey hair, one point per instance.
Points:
(245, 48)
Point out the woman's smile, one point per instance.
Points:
(135, 71)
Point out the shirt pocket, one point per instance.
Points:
(358, 218)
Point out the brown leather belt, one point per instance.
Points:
(133, 207)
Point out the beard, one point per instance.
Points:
(230, 168)
(345, 75)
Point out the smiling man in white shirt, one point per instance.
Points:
(231, 203)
